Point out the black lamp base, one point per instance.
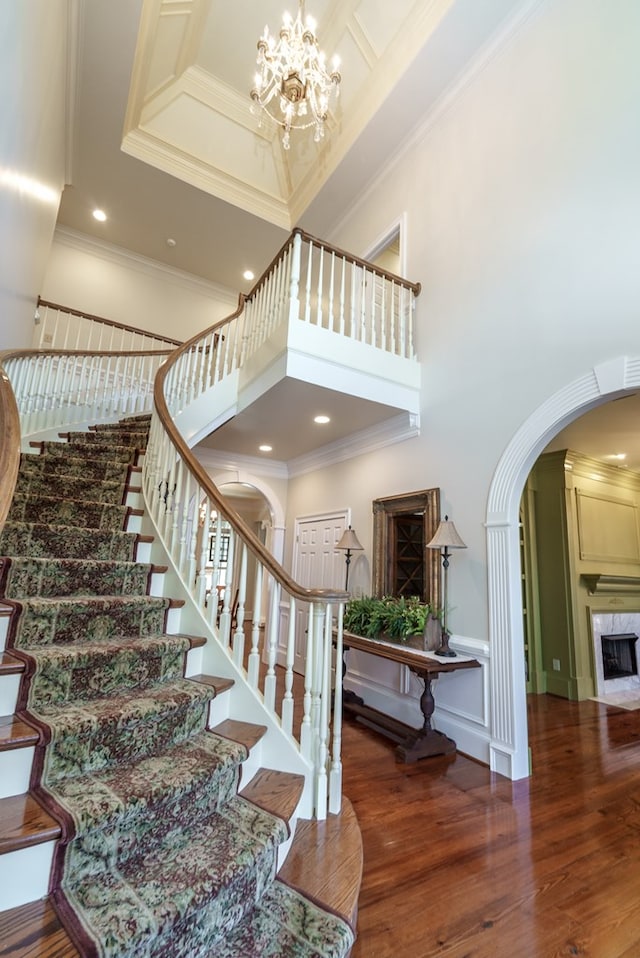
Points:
(444, 649)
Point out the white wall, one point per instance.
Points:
(33, 52)
(523, 226)
(106, 281)
(523, 212)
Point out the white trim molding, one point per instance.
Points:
(509, 752)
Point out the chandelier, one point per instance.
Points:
(293, 85)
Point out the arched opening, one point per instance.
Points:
(509, 740)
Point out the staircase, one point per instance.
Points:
(128, 799)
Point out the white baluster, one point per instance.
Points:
(335, 775)
(287, 701)
(323, 718)
(353, 327)
(332, 279)
(294, 281)
(307, 287)
(363, 306)
(238, 635)
(306, 728)
(272, 648)
(225, 615)
(342, 293)
(319, 297)
(202, 505)
(253, 665)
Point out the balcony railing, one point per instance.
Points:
(61, 327)
(55, 390)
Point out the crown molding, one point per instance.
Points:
(141, 264)
(218, 459)
(401, 427)
(144, 145)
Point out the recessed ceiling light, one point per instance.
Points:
(248, 274)
(265, 448)
(99, 215)
(617, 455)
(171, 242)
(321, 419)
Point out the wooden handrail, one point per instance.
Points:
(9, 444)
(107, 322)
(25, 353)
(206, 483)
(348, 257)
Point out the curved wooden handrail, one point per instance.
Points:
(107, 322)
(209, 487)
(348, 257)
(10, 444)
(25, 353)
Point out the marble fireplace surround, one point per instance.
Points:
(614, 623)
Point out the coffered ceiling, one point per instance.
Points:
(165, 142)
(189, 111)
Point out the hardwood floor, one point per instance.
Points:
(464, 864)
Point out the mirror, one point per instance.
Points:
(402, 526)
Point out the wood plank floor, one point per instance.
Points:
(464, 864)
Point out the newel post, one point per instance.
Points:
(294, 285)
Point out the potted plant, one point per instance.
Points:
(391, 617)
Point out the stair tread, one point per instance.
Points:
(10, 665)
(219, 683)
(25, 823)
(35, 931)
(277, 792)
(325, 862)
(15, 733)
(247, 733)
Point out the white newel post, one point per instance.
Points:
(294, 285)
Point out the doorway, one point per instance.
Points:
(613, 379)
(316, 564)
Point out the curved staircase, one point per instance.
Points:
(120, 798)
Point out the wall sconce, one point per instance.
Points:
(349, 543)
(446, 537)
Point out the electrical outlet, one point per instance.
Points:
(556, 665)
(47, 338)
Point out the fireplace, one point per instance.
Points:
(616, 656)
(619, 655)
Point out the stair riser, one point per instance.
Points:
(29, 869)
(15, 771)
(5, 618)
(9, 686)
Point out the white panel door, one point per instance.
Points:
(316, 565)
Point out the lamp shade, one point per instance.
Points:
(349, 541)
(446, 536)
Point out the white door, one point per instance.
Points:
(316, 565)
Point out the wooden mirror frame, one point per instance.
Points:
(427, 501)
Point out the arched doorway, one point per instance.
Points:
(509, 741)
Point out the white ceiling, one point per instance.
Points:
(165, 142)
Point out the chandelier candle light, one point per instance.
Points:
(293, 86)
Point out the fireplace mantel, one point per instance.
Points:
(625, 584)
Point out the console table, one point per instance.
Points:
(413, 744)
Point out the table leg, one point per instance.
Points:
(425, 741)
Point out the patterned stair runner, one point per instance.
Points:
(159, 856)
